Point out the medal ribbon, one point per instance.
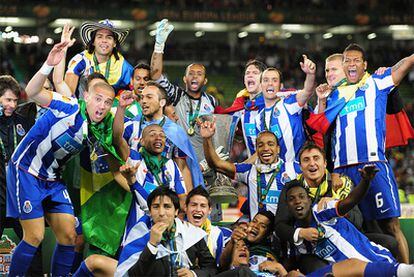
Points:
(107, 68)
(193, 116)
(169, 237)
(261, 179)
(263, 117)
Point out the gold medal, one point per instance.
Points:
(93, 156)
(261, 205)
(190, 131)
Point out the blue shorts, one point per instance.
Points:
(382, 200)
(29, 197)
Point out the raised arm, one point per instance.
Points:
(34, 88)
(59, 71)
(207, 130)
(163, 30)
(309, 68)
(400, 69)
(355, 196)
(322, 91)
(122, 147)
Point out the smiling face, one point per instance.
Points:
(334, 71)
(299, 202)
(9, 102)
(258, 229)
(252, 79)
(140, 79)
(267, 148)
(354, 66)
(99, 101)
(153, 139)
(270, 84)
(198, 210)
(313, 165)
(195, 78)
(104, 42)
(241, 254)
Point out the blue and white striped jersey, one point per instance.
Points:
(341, 240)
(146, 183)
(133, 132)
(284, 119)
(53, 140)
(247, 173)
(247, 120)
(360, 126)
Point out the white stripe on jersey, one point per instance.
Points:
(343, 245)
(371, 127)
(350, 131)
(360, 126)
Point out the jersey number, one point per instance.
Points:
(378, 200)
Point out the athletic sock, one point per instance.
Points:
(62, 259)
(77, 261)
(405, 270)
(82, 271)
(21, 259)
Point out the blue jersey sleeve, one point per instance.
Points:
(291, 104)
(62, 106)
(242, 172)
(77, 65)
(327, 213)
(132, 133)
(384, 82)
(179, 181)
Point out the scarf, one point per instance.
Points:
(266, 168)
(207, 228)
(154, 163)
(102, 131)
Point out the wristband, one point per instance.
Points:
(159, 48)
(46, 69)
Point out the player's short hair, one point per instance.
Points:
(142, 66)
(7, 82)
(309, 146)
(258, 64)
(293, 184)
(162, 94)
(94, 76)
(163, 191)
(102, 85)
(335, 56)
(272, 69)
(198, 191)
(267, 132)
(356, 47)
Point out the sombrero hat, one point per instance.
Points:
(88, 27)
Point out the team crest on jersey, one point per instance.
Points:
(285, 177)
(168, 176)
(276, 112)
(364, 87)
(207, 107)
(27, 206)
(20, 130)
